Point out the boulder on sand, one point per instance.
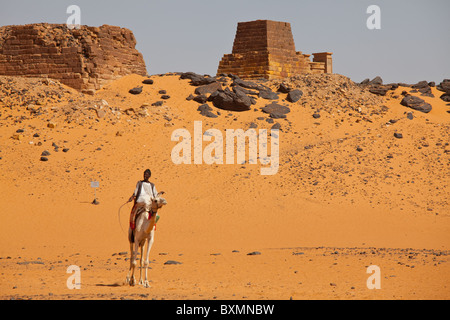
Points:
(416, 103)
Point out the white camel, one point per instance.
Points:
(144, 232)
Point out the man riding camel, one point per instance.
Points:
(143, 195)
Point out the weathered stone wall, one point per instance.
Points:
(84, 59)
(266, 49)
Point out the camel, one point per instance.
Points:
(144, 232)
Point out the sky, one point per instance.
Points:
(413, 43)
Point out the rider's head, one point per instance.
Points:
(147, 174)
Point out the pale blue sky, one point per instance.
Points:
(193, 35)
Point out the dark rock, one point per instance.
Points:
(196, 79)
(246, 91)
(432, 84)
(147, 81)
(201, 98)
(268, 95)
(420, 84)
(254, 253)
(398, 135)
(276, 126)
(191, 97)
(45, 153)
(171, 262)
(359, 149)
(444, 86)
(36, 135)
(410, 115)
(284, 88)
(205, 110)
(269, 120)
(20, 131)
(416, 104)
(253, 125)
(162, 92)
(157, 104)
(249, 85)
(379, 90)
(136, 90)
(65, 150)
(44, 159)
(209, 88)
(294, 95)
(376, 81)
(165, 97)
(316, 116)
(234, 100)
(204, 107)
(96, 202)
(446, 97)
(276, 110)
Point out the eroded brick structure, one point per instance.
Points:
(83, 59)
(266, 49)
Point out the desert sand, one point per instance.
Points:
(347, 195)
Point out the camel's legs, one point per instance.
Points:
(147, 255)
(131, 264)
(141, 246)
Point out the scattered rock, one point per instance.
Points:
(171, 262)
(398, 135)
(196, 79)
(294, 95)
(268, 95)
(230, 100)
(284, 88)
(416, 103)
(276, 126)
(254, 253)
(276, 110)
(136, 90)
(44, 159)
(147, 81)
(205, 110)
(376, 81)
(209, 88)
(379, 90)
(316, 115)
(445, 97)
(165, 97)
(45, 153)
(201, 98)
(157, 104)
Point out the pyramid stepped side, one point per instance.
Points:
(266, 49)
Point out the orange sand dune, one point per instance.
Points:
(385, 205)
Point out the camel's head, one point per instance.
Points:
(158, 201)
